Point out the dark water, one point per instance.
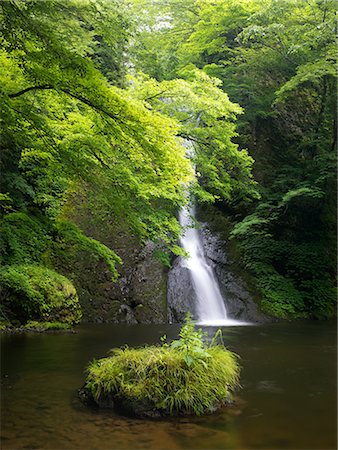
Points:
(287, 400)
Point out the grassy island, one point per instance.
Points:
(187, 376)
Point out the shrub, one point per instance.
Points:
(23, 238)
(34, 292)
(186, 377)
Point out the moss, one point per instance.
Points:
(34, 292)
(187, 376)
(71, 238)
(45, 326)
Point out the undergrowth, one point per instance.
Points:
(33, 250)
(35, 292)
(293, 272)
(187, 376)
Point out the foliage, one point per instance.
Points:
(75, 128)
(277, 59)
(66, 128)
(69, 235)
(23, 238)
(206, 117)
(27, 239)
(186, 377)
(293, 277)
(34, 292)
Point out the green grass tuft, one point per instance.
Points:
(187, 376)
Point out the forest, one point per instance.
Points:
(98, 101)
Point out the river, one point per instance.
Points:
(287, 399)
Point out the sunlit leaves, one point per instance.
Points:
(76, 128)
(206, 117)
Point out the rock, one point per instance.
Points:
(139, 295)
(143, 409)
(181, 295)
(213, 246)
(239, 303)
(149, 288)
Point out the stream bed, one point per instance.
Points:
(287, 399)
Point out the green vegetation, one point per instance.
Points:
(108, 107)
(46, 326)
(187, 376)
(277, 60)
(34, 292)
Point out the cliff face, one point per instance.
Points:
(146, 291)
(139, 295)
(240, 304)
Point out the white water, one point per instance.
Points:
(210, 306)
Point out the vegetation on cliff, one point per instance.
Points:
(99, 100)
(187, 376)
(72, 132)
(34, 292)
(276, 59)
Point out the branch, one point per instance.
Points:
(100, 160)
(68, 92)
(155, 95)
(89, 103)
(191, 138)
(31, 88)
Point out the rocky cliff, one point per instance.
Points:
(240, 304)
(139, 295)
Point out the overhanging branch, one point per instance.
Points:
(68, 92)
(31, 88)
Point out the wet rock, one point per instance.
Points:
(137, 408)
(181, 295)
(137, 296)
(149, 288)
(213, 246)
(239, 303)
(126, 315)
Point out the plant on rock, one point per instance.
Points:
(39, 293)
(187, 376)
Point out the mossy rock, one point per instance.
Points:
(37, 293)
(186, 377)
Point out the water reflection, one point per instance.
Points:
(287, 400)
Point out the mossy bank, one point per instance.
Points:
(64, 270)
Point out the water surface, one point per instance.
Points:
(287, 399)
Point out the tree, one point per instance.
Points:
(276, 58)
(207, 126)
(76, 130)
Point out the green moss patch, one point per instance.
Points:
(46, 326)
(187, 376)
(34, 292)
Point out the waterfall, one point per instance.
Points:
(210, 306)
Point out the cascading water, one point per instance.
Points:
(210, 306)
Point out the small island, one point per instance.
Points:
(186, 377)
